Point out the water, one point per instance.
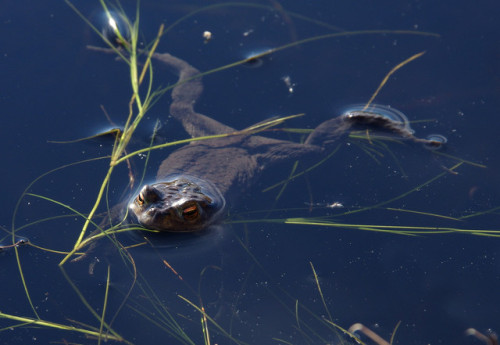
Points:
(251, 275)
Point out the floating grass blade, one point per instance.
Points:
(388, 75)
(131, 125)
(54, 325)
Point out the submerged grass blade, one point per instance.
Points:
(13, 222)
(280, 297)
(302, 326)
(406, 193)
(297, 320)
(62, 205)
(104, 306)
(177, 333)
(251, 5)
(282, 341)
(89, 218)
(312, 167)
(32, 183)
(212, 321)
(159, 315)
(491, 210)
(290, 175)
(88, 306)
(321, 292)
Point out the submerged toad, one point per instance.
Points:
(193, 181)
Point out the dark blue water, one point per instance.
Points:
(255, 278)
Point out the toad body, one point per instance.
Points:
(194, 182)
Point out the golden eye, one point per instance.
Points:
(140, 199)
(190, 212)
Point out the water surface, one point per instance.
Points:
(251, 275)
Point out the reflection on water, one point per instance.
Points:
(252, 275)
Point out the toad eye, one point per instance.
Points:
(140, 199)
(190, 212)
